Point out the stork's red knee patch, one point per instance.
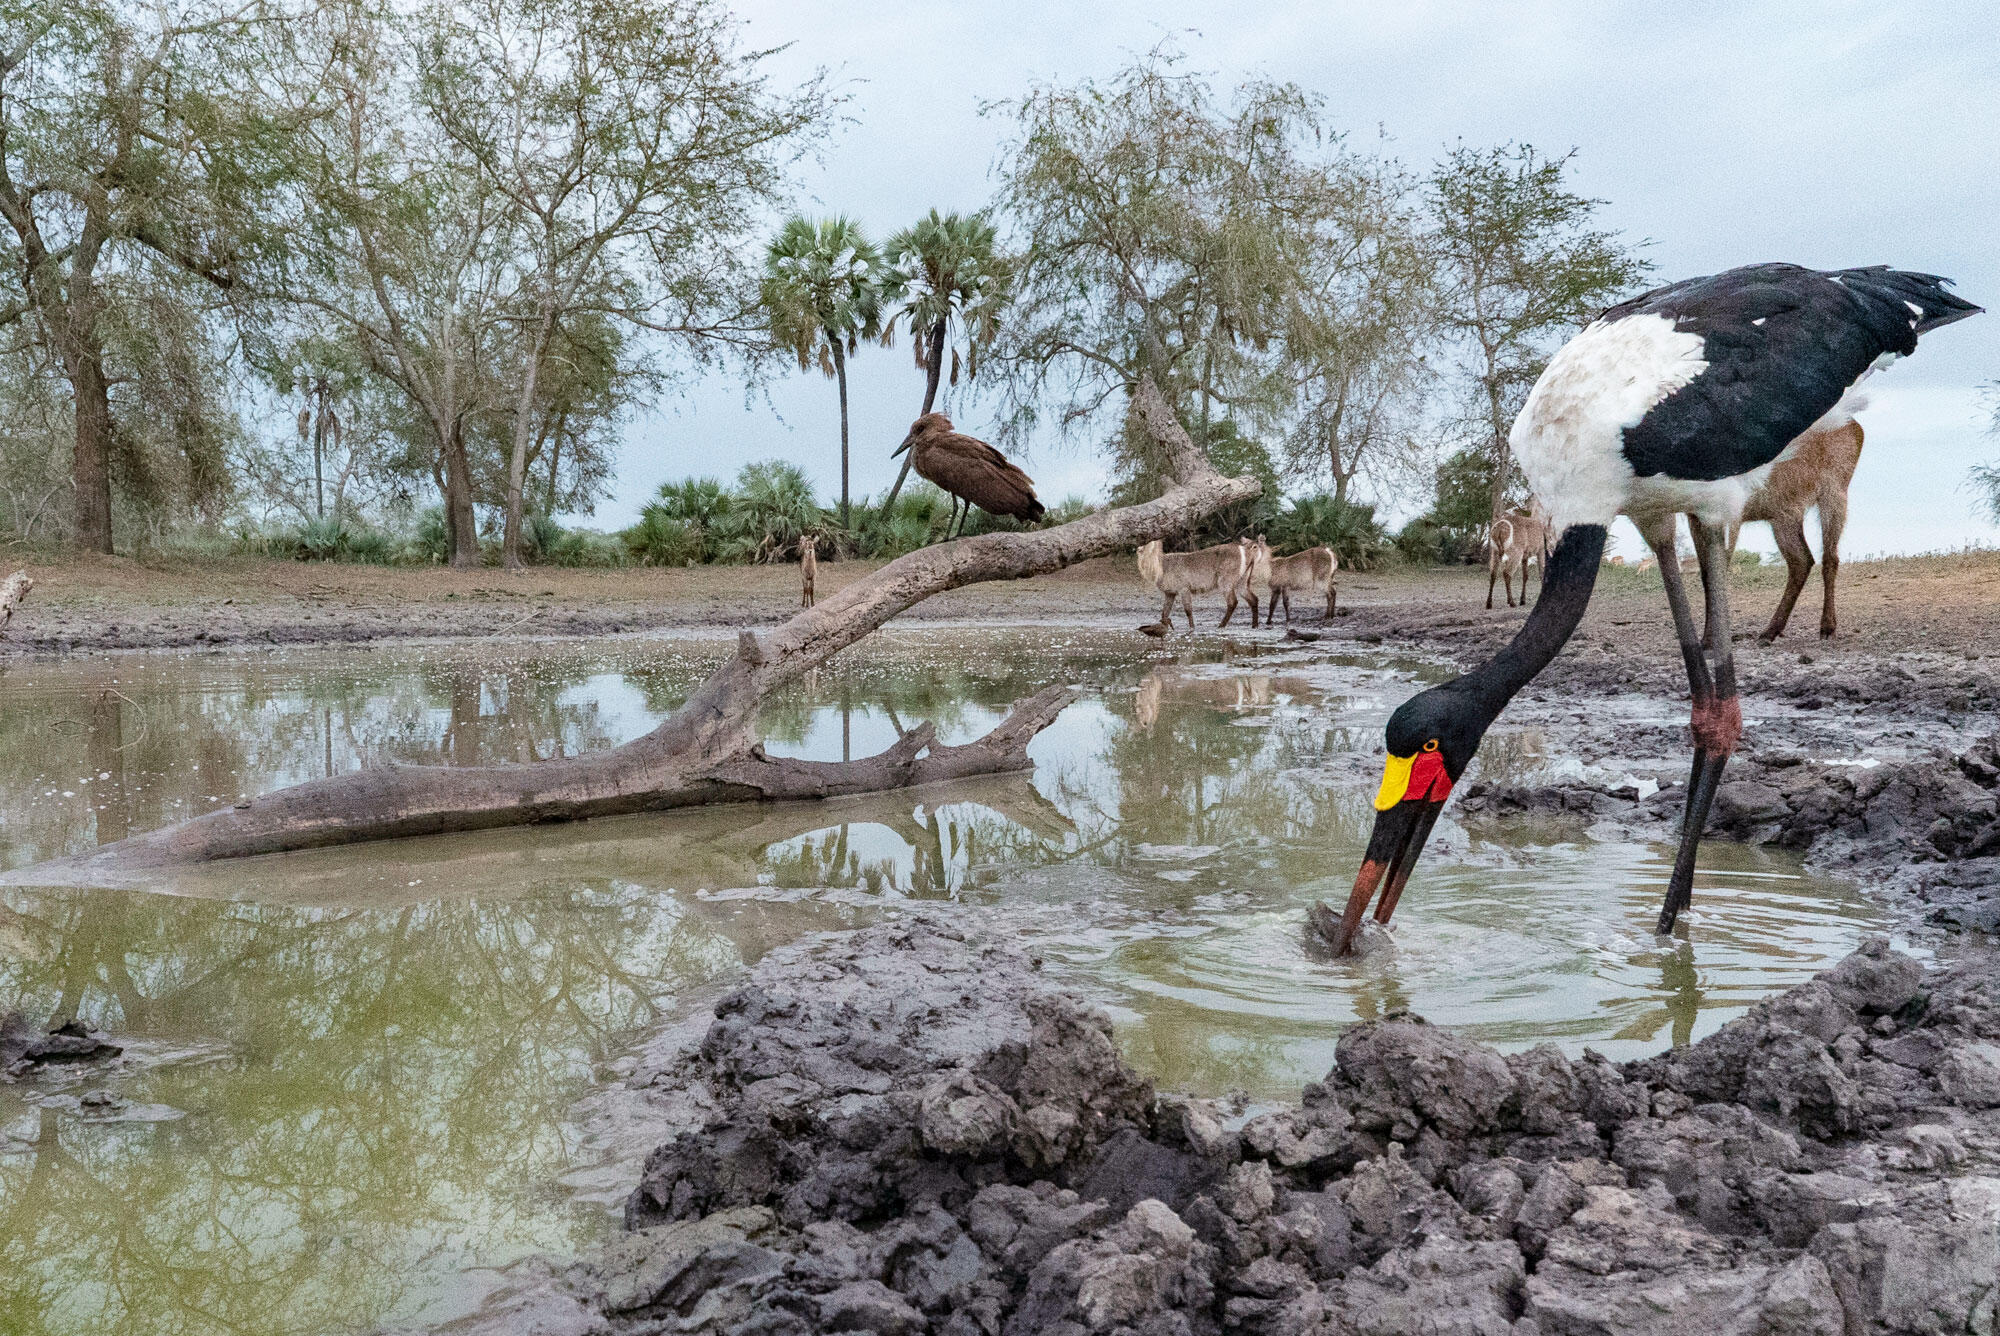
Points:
(1718, 724)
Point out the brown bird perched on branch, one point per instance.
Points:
(969, 469)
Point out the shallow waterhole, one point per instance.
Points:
(350, 1074)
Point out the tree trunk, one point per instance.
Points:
(1502, 455)
(319, 450)
(461, 521)
(703, 753)
(930, 397)
(90, 464)
(517, 460)
(840, 372)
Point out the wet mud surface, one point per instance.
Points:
(903, 1129)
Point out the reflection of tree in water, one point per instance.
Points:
(100, 757)
(1182, 771)
(392, 1078)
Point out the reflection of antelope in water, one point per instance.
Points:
(1815, 473)
(808, 569)
(1236, 691)
(1184, 574)
(1310, 571)
(1512, 542)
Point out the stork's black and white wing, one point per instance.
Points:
(1781, 345)
(1676, 400)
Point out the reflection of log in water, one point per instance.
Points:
(709, 848)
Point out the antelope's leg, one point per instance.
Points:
(1832, 519)
(1791, 535)
(1492, 574)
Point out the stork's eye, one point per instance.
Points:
(1432, 745)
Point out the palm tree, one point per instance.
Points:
(946, 267)
(823, 290)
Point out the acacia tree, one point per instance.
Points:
(946, 270)
(633, 145)
(1519, 266)
(823, 290)
(1359, 329)
(116, 188)
(399, 244)
(1153, 224)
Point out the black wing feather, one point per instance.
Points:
(1782, 343)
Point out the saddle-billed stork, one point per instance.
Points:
(1676, 402)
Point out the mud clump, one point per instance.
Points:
(902, 1131)
(24, 1047)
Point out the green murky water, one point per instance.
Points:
(350, 1074)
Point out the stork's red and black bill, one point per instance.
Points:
(1406, 807)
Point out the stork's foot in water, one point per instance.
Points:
(1717, 725)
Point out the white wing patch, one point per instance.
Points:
(1569, 437)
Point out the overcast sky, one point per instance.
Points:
(1825, 133)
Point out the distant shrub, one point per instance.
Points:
(432, 540)
(771, 508)
(1067, 511)
(370, 546)
(661, 538)
(1348, 527)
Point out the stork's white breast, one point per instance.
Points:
(1569, 436)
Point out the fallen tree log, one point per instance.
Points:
(704, 752)
(12, 590)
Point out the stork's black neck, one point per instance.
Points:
(1569, 577)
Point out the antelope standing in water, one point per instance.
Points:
(808, 569)
(1512, 541)
(1184, 574)
(1816, 473)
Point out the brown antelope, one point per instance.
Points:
(808, 568)
(1815, 473)
(1311, 571)
(1184, 574)
(1512, 541)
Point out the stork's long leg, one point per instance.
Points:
(1717, 721)
(1660, 537)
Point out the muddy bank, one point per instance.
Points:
(900, 1130)
(113, 604)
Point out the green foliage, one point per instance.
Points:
(1165, 230)
(1232, 453)
(432, 541)
(914, 520)
(661, 538)
(947, 270)
(762, 518)
(1464, 496)
(1067, 511)
(822, 290)
(1348, 527)
(1520, 267)
(771, 509)
(1453, 530)
(323, 539)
